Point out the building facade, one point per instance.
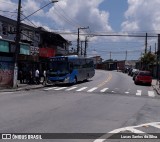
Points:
(36, 45)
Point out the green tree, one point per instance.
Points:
(147, 60)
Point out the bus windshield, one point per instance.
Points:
(59, 66)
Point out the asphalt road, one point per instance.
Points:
(107, 102)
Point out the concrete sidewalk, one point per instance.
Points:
(155, 86)
(22, 87)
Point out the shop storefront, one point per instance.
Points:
(44, 54)
(6, 65)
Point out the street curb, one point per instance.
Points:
(21, 89)
(156, 89)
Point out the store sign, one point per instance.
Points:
(24, 49)
(34, 50)
(46, 52)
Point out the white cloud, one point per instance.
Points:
(30, 6)
(73, 14)
(8, 5)
(142, 15)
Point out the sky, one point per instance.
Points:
(104, 17)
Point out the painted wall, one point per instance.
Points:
(6, 72)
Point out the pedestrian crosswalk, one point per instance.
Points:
(102, 90)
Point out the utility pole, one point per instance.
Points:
(85, 50)
(17, 49)
(141, 61)
(110, 55)
(150, 49)
(146, 43)
(81, 48)
(156, 52)
(18, 37)
(78, 43)
(78, 47)
(126, 56)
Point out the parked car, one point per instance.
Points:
(130, 71)
(135, 74)
(133, 71)
(144, 77)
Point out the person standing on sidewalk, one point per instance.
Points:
(45, 76)
(21, 77)
(37, 76)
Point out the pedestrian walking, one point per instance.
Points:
(44, 77)
(30, 77)
(37, 76)
(21, 76)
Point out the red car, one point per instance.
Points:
(143, 77)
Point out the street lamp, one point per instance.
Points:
(78, 38)
(18, 25)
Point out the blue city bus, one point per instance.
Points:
(69, 69)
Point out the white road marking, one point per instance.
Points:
(131, 129)
(60, 88)
(151, 94)
(126, 92)
(72, 88)
(50, 88)
(134, 130)
(83, 88)
(139, 92)
(91, 90)
(155, 125)
(100, 140)
(103, 90)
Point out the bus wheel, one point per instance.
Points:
(75, 80)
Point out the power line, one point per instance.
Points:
(8, 11)
(103, 35)
(76, 23)
(29, 20)
(64, 18)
